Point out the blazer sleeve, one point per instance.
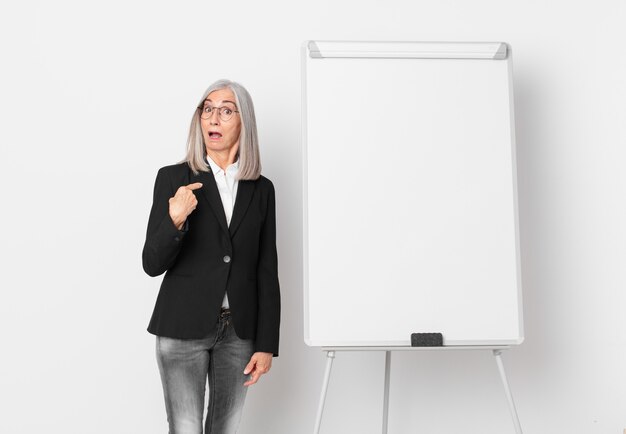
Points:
(268, 325)
(163, 239)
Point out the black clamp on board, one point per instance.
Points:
(426, 340)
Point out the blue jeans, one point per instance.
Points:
(184, 365)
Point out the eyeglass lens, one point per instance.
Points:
(225, 113)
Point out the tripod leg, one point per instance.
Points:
(329, 364)
(386, 396)
(507, 390)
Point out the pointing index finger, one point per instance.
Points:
(194, 186)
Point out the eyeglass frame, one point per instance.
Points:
(219, 112)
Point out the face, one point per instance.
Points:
(221, 136)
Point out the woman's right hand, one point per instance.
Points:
(183, 203)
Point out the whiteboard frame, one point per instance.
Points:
(406, 49)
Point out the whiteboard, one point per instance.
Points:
(410, 220)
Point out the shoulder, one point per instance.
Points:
(264, 183)
(265, 189)
(172, 176)
(177, 174)
(174, 169)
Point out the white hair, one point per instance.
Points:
(249, 156)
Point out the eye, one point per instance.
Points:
(227, 111)
(208, 109)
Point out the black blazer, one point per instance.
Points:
(207, 258)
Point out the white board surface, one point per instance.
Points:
(410, 203)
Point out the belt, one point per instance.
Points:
(224, 311)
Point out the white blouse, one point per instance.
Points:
(227, 186)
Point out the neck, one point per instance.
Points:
(223, 158)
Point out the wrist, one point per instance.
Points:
(178, 222)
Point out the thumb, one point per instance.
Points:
(194, 186)
(249, 366)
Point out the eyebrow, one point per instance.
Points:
(222, 101)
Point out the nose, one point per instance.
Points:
(217, 116)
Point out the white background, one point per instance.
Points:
(96, 96)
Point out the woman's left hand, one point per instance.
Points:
(260, 363)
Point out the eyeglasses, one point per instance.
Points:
(225, 113)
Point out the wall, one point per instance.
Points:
(96, 96)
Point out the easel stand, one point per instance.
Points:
(330, 353)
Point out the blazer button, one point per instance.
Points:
(227, 259)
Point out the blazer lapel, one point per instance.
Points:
(245, 189)
(212, 195)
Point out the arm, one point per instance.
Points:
(163, 239)
(268, 322)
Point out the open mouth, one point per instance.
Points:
(215, 135)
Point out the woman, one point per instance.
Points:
(212, 230)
